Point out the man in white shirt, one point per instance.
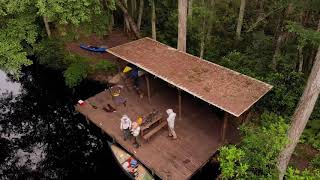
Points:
(135, 131)
(171, 118)
(125, 126)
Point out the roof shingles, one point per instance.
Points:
(224, 88)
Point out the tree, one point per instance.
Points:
(17, 30)
(141, 5)
(182, 24)
(240, 19)
(46, 24)
(153, 20)
(190, 4)
(132, 24)
(126, 26)
(301, 114)
(207, 24)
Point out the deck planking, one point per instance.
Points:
(199, 132)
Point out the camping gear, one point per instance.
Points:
(127, 69)
(132, 168)
(139, 120)
(93, 105)
(93, 48)
(109, 109)
(80, 102)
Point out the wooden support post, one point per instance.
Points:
(225, 124)
(179, 99)
(148, 87)
(118, 64)
(248, 116)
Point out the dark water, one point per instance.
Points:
(42, 137)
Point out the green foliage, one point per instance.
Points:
(304, 34)
(65, 12)
(50, 52)
(294, 174)
(258, 150)
(237, 61)
(231, 165)
(262, 144)
(17, 30)
(104, 66)
(316, 162)
(20, 27)
(283, 98)
(311, 134)
(75, 73)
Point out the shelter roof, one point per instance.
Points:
(224, 88)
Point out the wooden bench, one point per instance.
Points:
(154, 131)
(147, 126)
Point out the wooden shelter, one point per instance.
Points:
(201, 133)
(224, 88)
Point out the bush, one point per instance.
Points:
(260, 146)
(50, 52)
(316, 162)
(75, 73)
(284, 97)
(231, 165)
(311, 133)
(295, 174)
(103, 66)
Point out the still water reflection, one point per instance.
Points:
(41, 137)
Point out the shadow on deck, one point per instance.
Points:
(199, 130)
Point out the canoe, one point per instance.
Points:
(129, 163)
(93, 48)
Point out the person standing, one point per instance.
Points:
(135, 132)
(125, 126)
(171, 118)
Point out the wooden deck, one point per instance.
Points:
(199, 131)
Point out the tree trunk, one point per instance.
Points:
(300, 54)
(311, 59)
(182, 26)
(206, 28)
(240, 19)
(190, 8)
(140, 14)
(260, 10)
(133, 8)
(301, 114)
(153, 20)
(277, 51)
(126, 21)
(130, 19)
(280, 36)
(46, 24)
(202, 43)
(111, 22)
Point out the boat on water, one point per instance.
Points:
(130, 165)
(93, 48)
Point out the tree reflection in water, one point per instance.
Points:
(40, 134)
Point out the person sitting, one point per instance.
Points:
(116, 95)
(135, 131)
